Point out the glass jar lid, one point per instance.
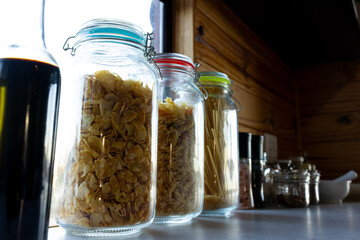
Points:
(109, 30)
(286, 175)
(208, 78)
(297, 159)
(174, 61)
(215, 78)
(284, 163)
(273, 165)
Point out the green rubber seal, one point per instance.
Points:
(214, 77)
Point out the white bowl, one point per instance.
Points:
(333, 192)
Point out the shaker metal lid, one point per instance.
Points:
(257, 151)
(245, 144)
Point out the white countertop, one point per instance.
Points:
(325, 221)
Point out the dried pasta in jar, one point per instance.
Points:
(109, 176)
(180, 181)
(176, 173)
(108, 146)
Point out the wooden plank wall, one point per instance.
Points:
(260, 80)
(183, 29)
(329, 109)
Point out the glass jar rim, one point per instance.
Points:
(284, 163)
(214, 78)
(111, 30)
(294, 175)
(174, 60)
(288, 161)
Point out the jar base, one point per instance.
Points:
(173, 220)
(123, 232)
(223, 212)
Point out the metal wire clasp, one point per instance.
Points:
(238, 104)
(197, 81)
(67, 46)
(149, 50)
(150, 53)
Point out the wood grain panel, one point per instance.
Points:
(328, 74)
(260, 80)
(329, 103)
(332, 100)
(260, 112)
(336, 158)
(333, 127)
(184, 27)
(330, 88)
(231, 51)
(222, 16)
(321, 116)
(210, 61)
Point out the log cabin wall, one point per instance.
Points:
(313, 110)
(260, 80)
(329, 112)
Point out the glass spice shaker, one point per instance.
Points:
(314, 187)
(180, 166)
(109, 186)
(221, 166)
(29, 100)
(257, 164)
(292, 188)
(246, 197)
(269, 195)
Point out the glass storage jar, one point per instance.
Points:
(314, 186)
(291, 188)
(109, 181)
(221, 165)
(245, 195)
(180, 166)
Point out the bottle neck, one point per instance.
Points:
(22, 24)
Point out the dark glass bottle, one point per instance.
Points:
(29, 97)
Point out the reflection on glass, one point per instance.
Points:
(2, 106)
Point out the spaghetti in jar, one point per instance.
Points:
(221, 165)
